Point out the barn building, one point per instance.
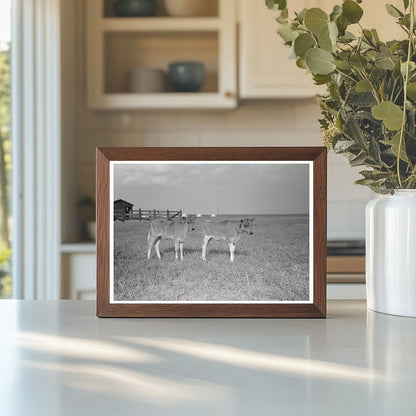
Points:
(123, 206)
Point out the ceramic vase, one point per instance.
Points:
(391, 253)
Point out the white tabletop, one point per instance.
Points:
(57, 358)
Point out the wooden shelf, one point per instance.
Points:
(197, 100)
(160, 24)
(346, 264)
(346, 269)
(80, 247)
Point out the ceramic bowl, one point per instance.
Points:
(135, 8)
(147, 80)
(186, 76)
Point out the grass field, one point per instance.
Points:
(270, 265)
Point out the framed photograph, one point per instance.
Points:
(211, 232)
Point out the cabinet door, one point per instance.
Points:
(265, 68)
(78, 276)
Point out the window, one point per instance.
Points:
(5, 147)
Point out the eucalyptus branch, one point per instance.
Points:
(392, 91)
(346, 75)
(398, 95)
(373, 88)
(405, 81)
(377, 108)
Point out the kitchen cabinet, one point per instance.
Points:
(78, 263)
(265, 70)
(118, 45)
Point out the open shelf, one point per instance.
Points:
(126, 51)
(116, 46)
(160, 24)
(80, 247)
(167, 100)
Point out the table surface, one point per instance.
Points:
(57, 358)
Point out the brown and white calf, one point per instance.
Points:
(174, 230)
(229, 231)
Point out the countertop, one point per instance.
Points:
(57, 358)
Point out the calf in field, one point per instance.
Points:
(229, 231)
(175, 230)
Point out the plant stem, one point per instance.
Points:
(373, 88)
(405, 81)
(346, 75)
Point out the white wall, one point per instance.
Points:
(255, 123)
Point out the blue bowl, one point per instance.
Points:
(135, 8)
(186, 76)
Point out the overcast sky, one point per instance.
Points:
(206, 188)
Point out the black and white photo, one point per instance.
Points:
(191, 231)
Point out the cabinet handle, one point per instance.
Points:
(229, 94)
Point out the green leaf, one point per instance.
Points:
(375, 35)
(363, 86)
(374, 150)
(406, 4)
(412, 67)
(287, 33)
(382, 89)
(303, 43)
(388, 112)
(343, 145)
(384, 62)
(394, 145)
(362, 99)
(301, 63)
(325, 42)
(374, 174)
(336, 12)
(316, 20)
(351, 11)
(365, 182)
(344, 65)
(358, 160)
(368, 36)
(342, 25)
(319, 61)
(333, 32)
(411, 90)
(347, 37)
(301, 15)
(358, 61)
(321, 79)
(276, 4)
(393, 11)
(354, 132)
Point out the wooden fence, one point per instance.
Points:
(146, 214)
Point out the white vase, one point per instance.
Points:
(391, 253)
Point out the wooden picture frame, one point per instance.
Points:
(313, 307)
